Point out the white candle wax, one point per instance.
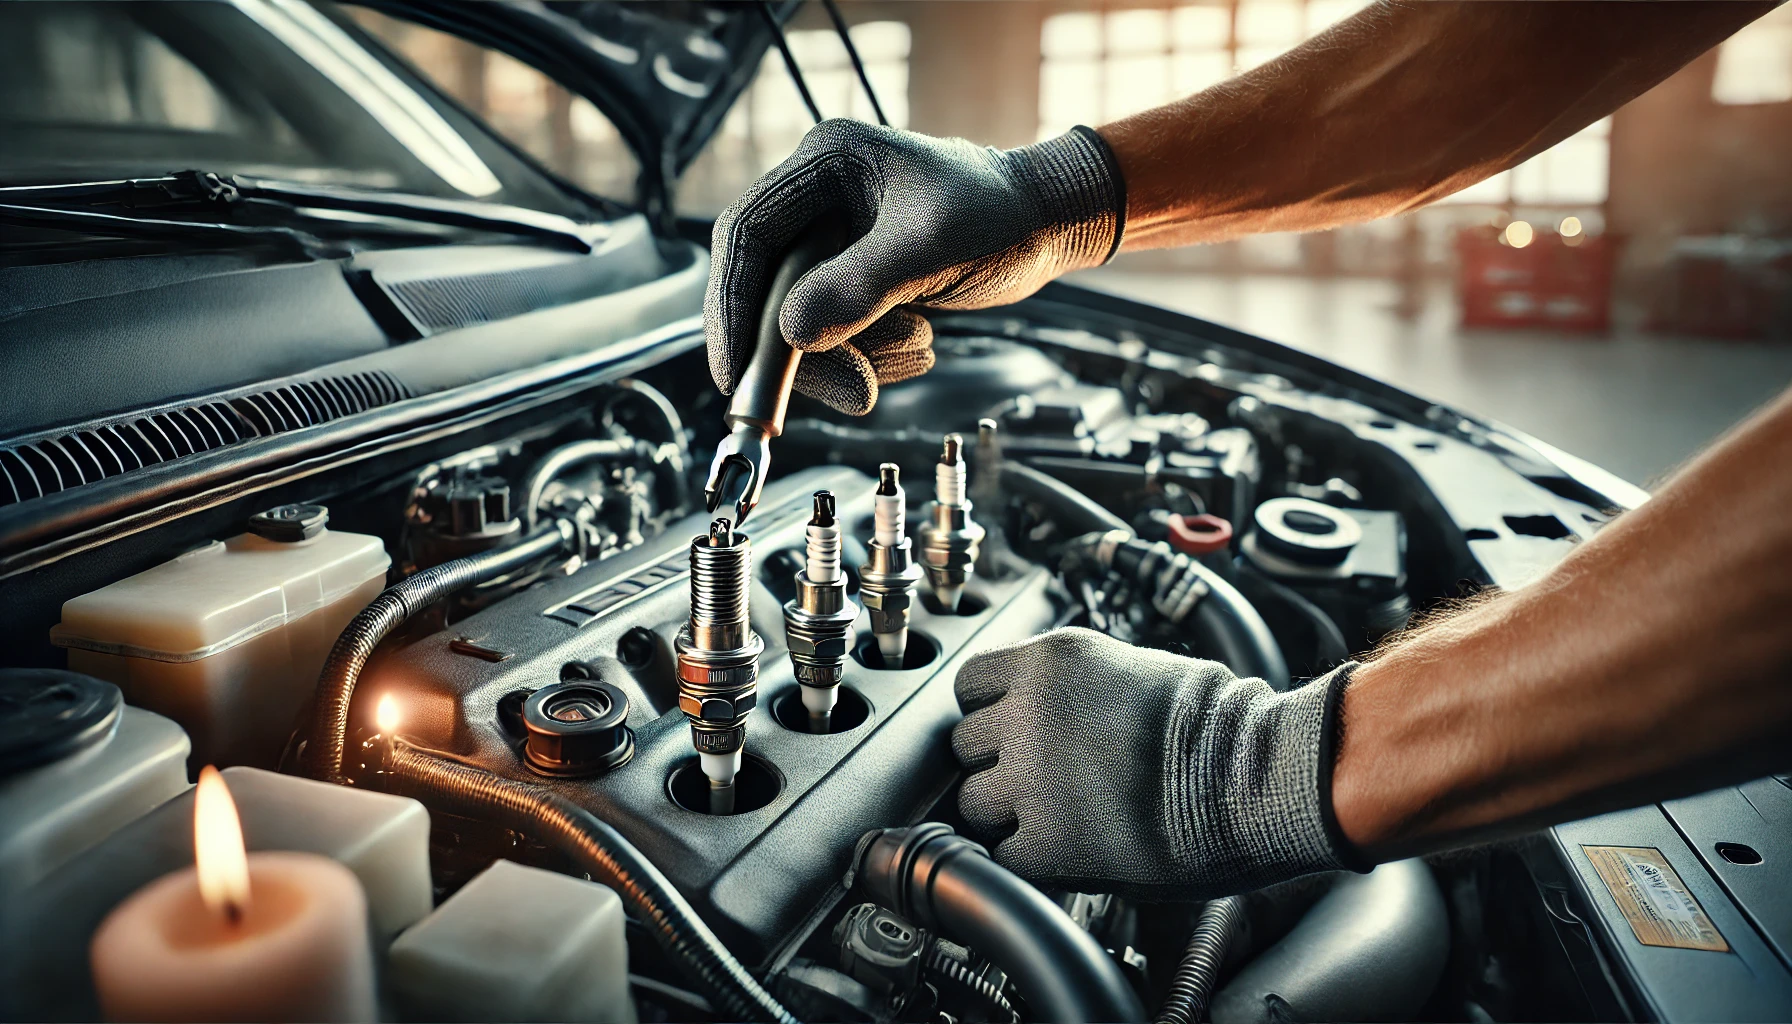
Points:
(299, 951)
(277, 936)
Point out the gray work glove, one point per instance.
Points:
(939, 223)
(1112, 768)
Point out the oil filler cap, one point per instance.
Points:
(577, 727)
(1306, 531)
(47, 714)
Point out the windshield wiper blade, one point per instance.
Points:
(118, 226)
(479, 216)
(205, 187)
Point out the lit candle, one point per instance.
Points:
(269, 936)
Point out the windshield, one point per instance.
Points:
(274, 88)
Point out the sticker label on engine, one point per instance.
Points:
(1653, 899)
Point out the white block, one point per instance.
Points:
(44, 932)
(52, 813)
(516, 944)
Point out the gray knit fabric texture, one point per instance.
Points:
(1102, 767)
(939, 223)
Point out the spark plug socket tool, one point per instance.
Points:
(756, 409)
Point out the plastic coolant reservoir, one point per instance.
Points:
(228, 639)
(75, 763)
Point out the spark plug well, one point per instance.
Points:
(949, 538)
(887, 581)
(818, 620)
(718, 657)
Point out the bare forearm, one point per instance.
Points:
(1393, 108)
(1655, 660)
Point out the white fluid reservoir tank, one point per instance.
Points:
(227, 639)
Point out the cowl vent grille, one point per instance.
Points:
(31, 467)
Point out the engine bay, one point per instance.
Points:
(573, 641)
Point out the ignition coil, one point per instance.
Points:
(887, 582)
(818, 620)
(718, 657)
(949, 538)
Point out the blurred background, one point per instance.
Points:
(1626, 295)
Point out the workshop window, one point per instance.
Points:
(1755, 64)
(1573, 172)
(1099, 66)
(770, 119)
(565, 132)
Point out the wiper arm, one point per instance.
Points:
(204, 187)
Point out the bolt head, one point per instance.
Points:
(818, 647)
(722, 708)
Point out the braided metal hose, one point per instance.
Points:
(1196, 975)
(606, 855)
(342, 669)
(951, 968)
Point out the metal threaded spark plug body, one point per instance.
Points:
(949, 538)
(887, 581)
(718, 656)
(818, 620)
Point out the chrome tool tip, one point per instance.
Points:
(738, 472)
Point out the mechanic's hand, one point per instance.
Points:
(940, 223)
(1111, 768)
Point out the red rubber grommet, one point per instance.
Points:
(1199, 535)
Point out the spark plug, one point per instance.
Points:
(949, 538)
(887, 582)
(718, 657)
(818, 620)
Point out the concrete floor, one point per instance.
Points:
(1636, 404)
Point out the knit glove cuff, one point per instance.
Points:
(1081, 194)
(1251, 801)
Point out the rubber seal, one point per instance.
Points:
(577, 727)
(1200, 535)
(48, 714)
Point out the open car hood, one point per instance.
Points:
(664, 73)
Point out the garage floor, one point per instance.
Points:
(1636, 404)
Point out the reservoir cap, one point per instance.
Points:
(289, 522)
(47, 714)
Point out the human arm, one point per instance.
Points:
(1395, 107)
(1392, 108)
(1654, 661)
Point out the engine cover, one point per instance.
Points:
(760, 875)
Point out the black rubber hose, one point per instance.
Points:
(1199, 971)
(1225, 619)
(938, 879)
(1329, 645)
(342, 669)
(606, 855)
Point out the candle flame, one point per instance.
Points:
(218, 853)
(385, 715)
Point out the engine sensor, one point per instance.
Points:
(718, 657)
(949, 538)
(887, 582)
(818, 620)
